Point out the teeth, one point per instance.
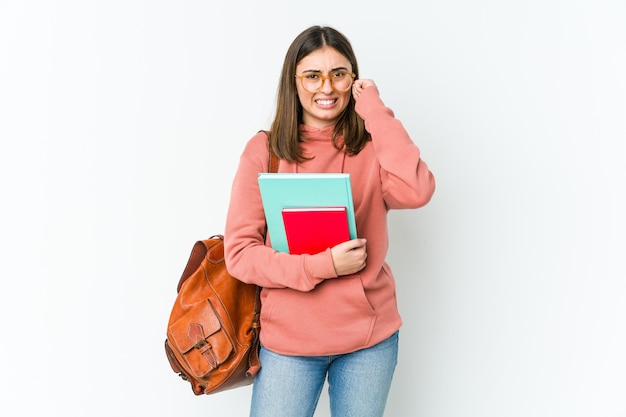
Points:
(325, 101)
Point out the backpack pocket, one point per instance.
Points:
(200, 339)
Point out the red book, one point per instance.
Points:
(314, 229)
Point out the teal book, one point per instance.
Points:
(281, 191)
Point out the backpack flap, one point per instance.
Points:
(200, 340)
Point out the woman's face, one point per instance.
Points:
(323, 108)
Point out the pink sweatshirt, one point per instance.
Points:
(306, 308)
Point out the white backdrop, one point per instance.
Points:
(121, 124)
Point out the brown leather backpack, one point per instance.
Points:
(213, 330)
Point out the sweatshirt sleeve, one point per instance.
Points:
(246, 255)
(406, 179)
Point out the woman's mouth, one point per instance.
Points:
(326, 102)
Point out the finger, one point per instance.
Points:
(349, 245)
(357, 243)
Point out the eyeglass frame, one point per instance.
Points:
(324, 78)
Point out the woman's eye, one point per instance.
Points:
(312, 76)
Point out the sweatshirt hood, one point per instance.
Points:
(316, 144)
(309, 133)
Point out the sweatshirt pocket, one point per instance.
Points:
(335, 317)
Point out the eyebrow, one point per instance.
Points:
(332, 70)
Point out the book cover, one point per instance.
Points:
(293, 190)
(314, 229)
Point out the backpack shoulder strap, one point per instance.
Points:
(273, 161)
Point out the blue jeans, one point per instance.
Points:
(358, 382)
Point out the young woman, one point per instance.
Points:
(332, 314)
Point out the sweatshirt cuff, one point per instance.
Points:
(320, 267)
(369, 101)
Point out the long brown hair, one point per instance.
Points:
(285, 134)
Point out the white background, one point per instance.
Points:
(121, 124)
